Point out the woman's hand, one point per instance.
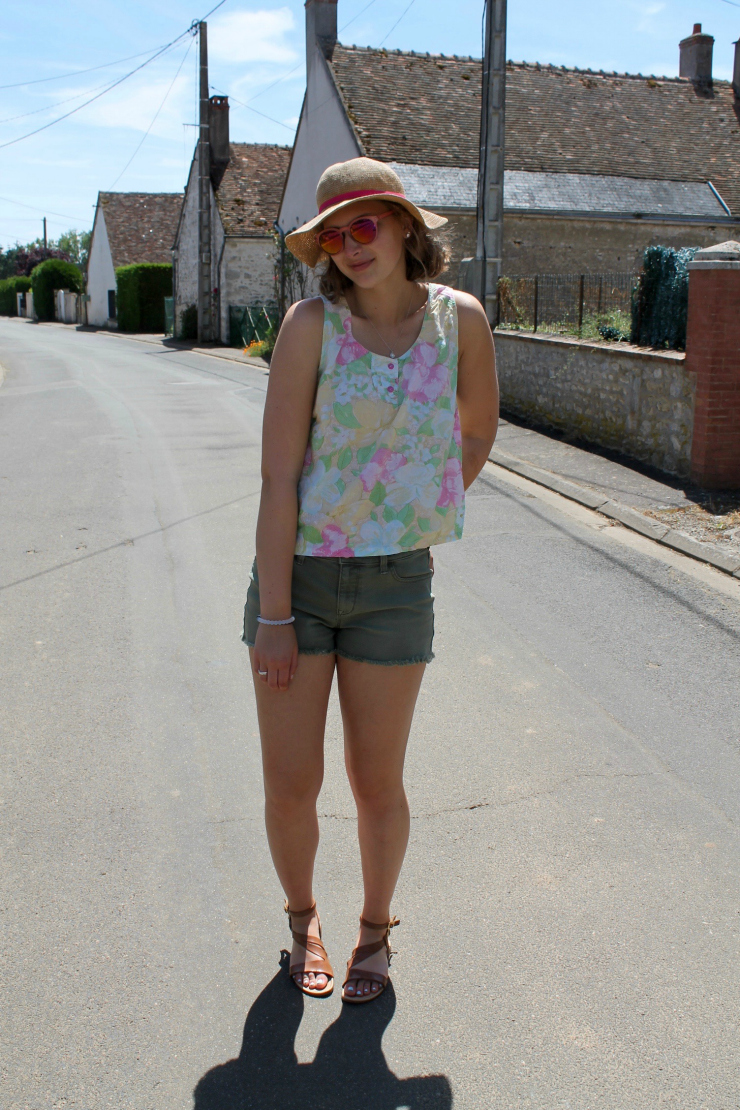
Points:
(275, 656)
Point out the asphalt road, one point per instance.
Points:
(570, 903)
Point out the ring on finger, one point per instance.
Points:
(262, 672)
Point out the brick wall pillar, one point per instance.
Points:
(713, 355)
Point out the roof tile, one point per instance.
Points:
(557, 119)
(141, 226)
(251, 188)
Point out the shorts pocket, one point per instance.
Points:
(411, 567)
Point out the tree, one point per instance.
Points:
(76, 245)
(7, 262)
(71, 246)
(29, 256)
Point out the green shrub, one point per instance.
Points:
(49, 276)
(189, 323)
(660, 300)
(8, 289)
(140, 292)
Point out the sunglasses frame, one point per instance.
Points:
(372, 218)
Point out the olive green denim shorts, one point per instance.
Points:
(373, 608)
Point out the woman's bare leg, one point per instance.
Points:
(292, 724)
(377, 709)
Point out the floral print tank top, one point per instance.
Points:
(383, 468)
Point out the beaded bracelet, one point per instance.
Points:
(264, 620)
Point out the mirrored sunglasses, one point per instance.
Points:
(364, 230)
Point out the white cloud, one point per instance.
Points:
(133, 108)
(647, 13)
(251, 36)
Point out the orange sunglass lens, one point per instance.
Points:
(363, 231)
(331, 241)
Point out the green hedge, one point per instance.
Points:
(49, 276)
(661, 299)
(140, 292)
(8, 289)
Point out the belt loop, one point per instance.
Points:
(383, 564)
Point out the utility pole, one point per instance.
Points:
(480, 274)
(45, 248)
(205, 284)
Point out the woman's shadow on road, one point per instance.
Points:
(349, 1071)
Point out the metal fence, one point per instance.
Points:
(251, 323)
(566, 303)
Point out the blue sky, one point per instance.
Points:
(59, 171)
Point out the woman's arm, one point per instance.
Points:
(285, 431)
(477, 386)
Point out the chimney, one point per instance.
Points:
(218, 120)
(736, 72)
(695, 59)
(321, 30)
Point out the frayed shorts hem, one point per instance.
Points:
(361, 659)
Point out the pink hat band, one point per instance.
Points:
(340, 198)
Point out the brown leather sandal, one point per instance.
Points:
(362, 952)
(316, 960)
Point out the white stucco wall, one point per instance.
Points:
(247, 275)
(100, 273)
(324, 136)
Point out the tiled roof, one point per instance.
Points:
(450, 187)
(141, 226)
(593, 193)
(251, 188)
(557, 120)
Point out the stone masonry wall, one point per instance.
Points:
(542, 245)
(636, 401)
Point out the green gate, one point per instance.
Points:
(251, 323)
(169, 316)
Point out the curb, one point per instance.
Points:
(660, 533)
(212, 352)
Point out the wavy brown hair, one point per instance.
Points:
(427, 257)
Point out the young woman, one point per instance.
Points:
(381, 409)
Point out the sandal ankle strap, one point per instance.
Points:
(386, 925)
(299, 913)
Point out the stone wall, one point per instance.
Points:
(636, 401)
(247, 275)
(459, 234)
(547, 245)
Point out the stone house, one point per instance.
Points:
(598, 165)
(128, 228)
(246, 186)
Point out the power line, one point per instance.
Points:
(156, 114)
(49, 107)
(249, 108)
(34, 208)
(192, 29)
(295, 69)
(354, 17)
(403, 13)
(79, 107)
(77, 72)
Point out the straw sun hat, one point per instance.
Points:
(345, 183)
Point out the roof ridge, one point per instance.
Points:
(408, 53)
(526, 65)
(268, 146)
(607, 72)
